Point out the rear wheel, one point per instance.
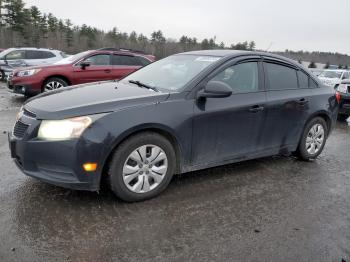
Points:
(313, 139)
(2, 75)
(142, 167)
(342, 117)
(54, 83)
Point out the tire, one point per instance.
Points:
(132, 177)
(2, 75)
(53, 83)
(342, 117)
(311, 139)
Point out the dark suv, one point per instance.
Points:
(186, 112)
(85, 67)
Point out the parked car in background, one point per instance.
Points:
(333, 78)
(344, 107)
(85, 67)
(7, 69)
(316, 71)
(29, 56)
(183, 113)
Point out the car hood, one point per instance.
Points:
(92, 98)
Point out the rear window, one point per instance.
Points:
(281, 77)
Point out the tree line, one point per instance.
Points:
(22, 26)
(27, 26)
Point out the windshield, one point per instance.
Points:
(72, 58)
(331, 74)
(173, 72)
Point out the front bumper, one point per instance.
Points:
(344, 105)
(54, 162)
(23, 88)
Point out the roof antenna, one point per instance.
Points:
(267, 50)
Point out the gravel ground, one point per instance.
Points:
(270, 209)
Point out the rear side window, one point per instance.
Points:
(303, 80)
(33, 54)
(47, 54)
(242, 78)
(281, 77)
(125, 60)
(143, 61)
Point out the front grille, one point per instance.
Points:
(19, 129)
(28, 113)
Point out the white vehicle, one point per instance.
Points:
(29, 56)
(333, 78)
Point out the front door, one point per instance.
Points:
(228, 128)
(99, 70)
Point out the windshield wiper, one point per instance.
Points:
(143, 85)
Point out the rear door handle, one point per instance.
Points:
(303, 101)
(108, 71)
(256, 108)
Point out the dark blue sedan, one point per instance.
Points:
(186, 112)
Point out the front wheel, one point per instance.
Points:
(313, 139)
(54, 83)
(142, 167)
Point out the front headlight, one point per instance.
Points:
(343, 88)
(63, 129)
(28, 72)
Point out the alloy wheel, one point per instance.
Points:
(53, 85)
(315, 139)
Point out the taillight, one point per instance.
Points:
(337, 96)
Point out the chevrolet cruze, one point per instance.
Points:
(186, 112)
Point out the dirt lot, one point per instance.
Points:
(271, 209)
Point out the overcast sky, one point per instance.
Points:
(313, 25)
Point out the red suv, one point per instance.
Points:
(89, 66)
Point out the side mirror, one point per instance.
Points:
(215, 89)
(85, 64)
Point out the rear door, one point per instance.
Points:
(227, 128)
(100, 69)
(288, 105)
(122, 65)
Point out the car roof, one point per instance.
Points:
(228, 53)
(336, 70)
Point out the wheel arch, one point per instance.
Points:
(156, 128)
(66, 79)
(323, 114)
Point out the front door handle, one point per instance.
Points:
(303, 101)
(256, 109)
(108, 70)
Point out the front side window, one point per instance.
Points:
(242, 78)
(14, 55)
(99, 60)
(47, 54)
(281, 77)
(173, 72)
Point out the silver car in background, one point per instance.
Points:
(27, 56)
